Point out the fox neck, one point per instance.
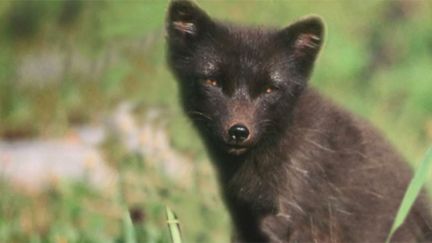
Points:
(249, 180)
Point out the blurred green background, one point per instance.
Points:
(74, 71)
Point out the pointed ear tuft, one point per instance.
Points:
(304, 37)
(185, 19)
(184, 27)
(307, 40)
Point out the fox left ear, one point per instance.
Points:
(304, 38)
(186, 22)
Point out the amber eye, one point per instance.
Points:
(212, 82)
(270, 89)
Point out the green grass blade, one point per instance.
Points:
(128, 229)
(411, 194)
(173, 225)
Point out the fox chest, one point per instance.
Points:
(257, 190)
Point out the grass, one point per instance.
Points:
(174, 226)
(128, 228)
(413, 190)
(114, 51)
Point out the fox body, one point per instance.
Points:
(292, 166)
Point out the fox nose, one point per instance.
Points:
(238, 133)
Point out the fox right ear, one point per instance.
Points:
(186, 22)
(304, 38)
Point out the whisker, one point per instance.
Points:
(200, 115)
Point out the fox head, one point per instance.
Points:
(239, 85)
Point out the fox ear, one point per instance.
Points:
(304, 38)
(186, 22)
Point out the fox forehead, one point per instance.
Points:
(276, 76)
(237, 54)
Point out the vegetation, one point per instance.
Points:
(411, 193)
(68, 63)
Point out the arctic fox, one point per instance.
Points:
(292, 165)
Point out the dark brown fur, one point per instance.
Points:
(309, 170)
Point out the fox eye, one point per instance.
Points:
(211, 82)
(270, 89)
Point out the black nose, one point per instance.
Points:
(238, 133)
